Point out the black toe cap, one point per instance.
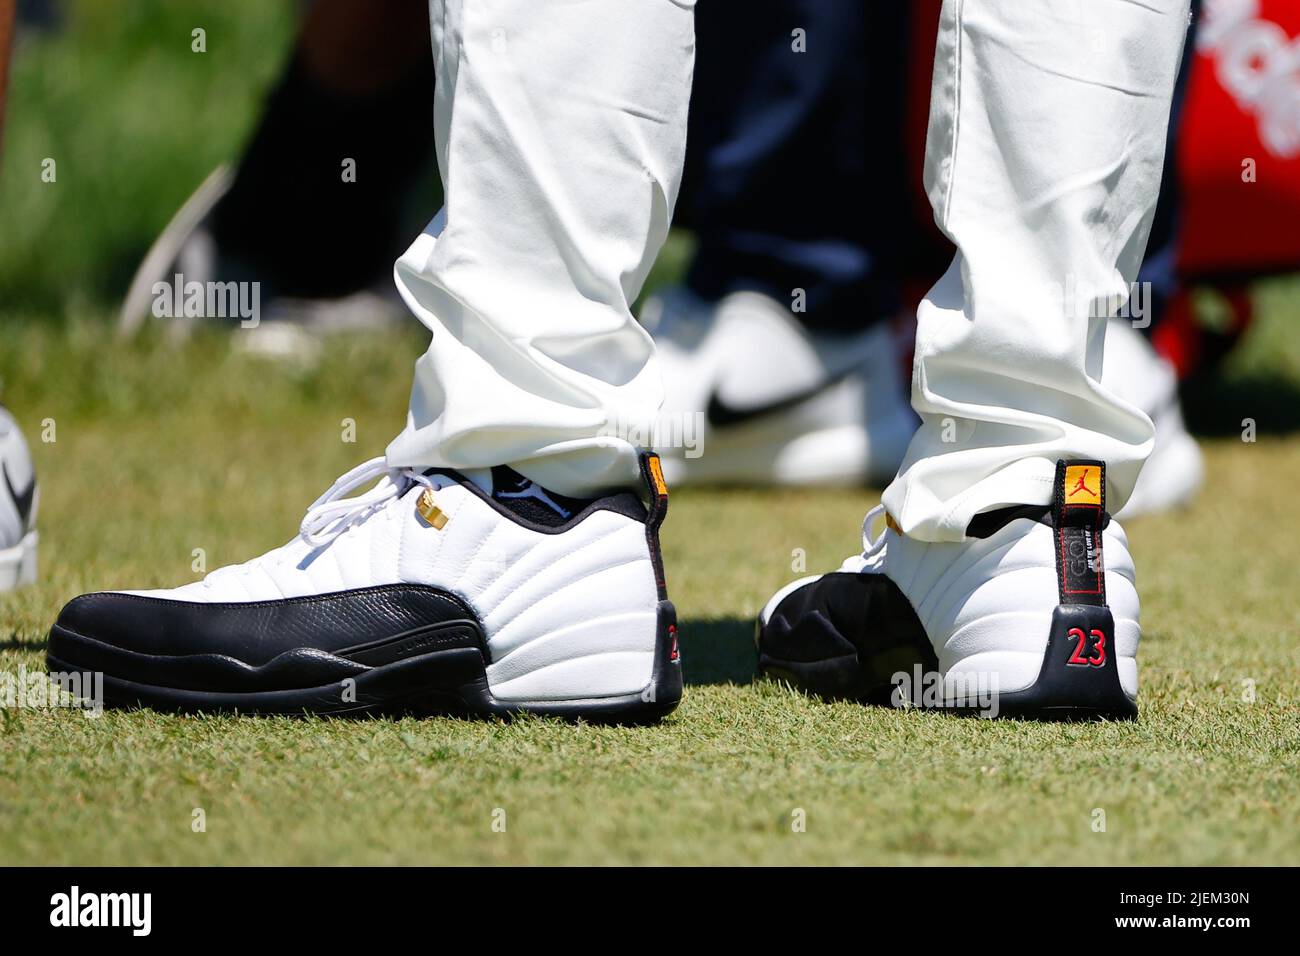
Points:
(257, 631)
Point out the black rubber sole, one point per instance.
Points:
(452, 681)
(1079, 679)
(844, 636)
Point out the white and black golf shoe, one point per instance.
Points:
(1024, 618)
(18, 503)
(431, 592)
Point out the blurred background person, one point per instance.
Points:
(782, 338)
(317, 207)
(786, 347)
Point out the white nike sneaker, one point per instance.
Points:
(18, 504)
(1134, 371)
(431, 592)
(761, 400)
(1024, 618)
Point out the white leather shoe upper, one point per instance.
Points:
(986, 603)
(566, 614)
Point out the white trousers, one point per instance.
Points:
(561, 130)
(560, 133)
(1043, 163)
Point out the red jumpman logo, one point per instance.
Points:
(1082, 485)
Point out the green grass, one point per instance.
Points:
(133, 119)
(161, 450)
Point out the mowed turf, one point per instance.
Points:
(160, 451)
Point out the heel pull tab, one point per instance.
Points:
(1078, 517)
(652, 473)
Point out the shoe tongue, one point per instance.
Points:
(504, 481)
(520, 495)
(528, 499)
(481, 477)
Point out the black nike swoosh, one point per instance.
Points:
(720, 414)
(23, 500)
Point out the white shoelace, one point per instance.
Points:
(331, 514)
(870, 545)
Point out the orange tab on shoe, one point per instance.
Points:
(1078, 517)
(1083, 484)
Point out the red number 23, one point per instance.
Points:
(1098, 657)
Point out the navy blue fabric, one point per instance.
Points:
(794, 169)
(795, 164)
(1160, 268)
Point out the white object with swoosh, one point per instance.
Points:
(18, 503)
